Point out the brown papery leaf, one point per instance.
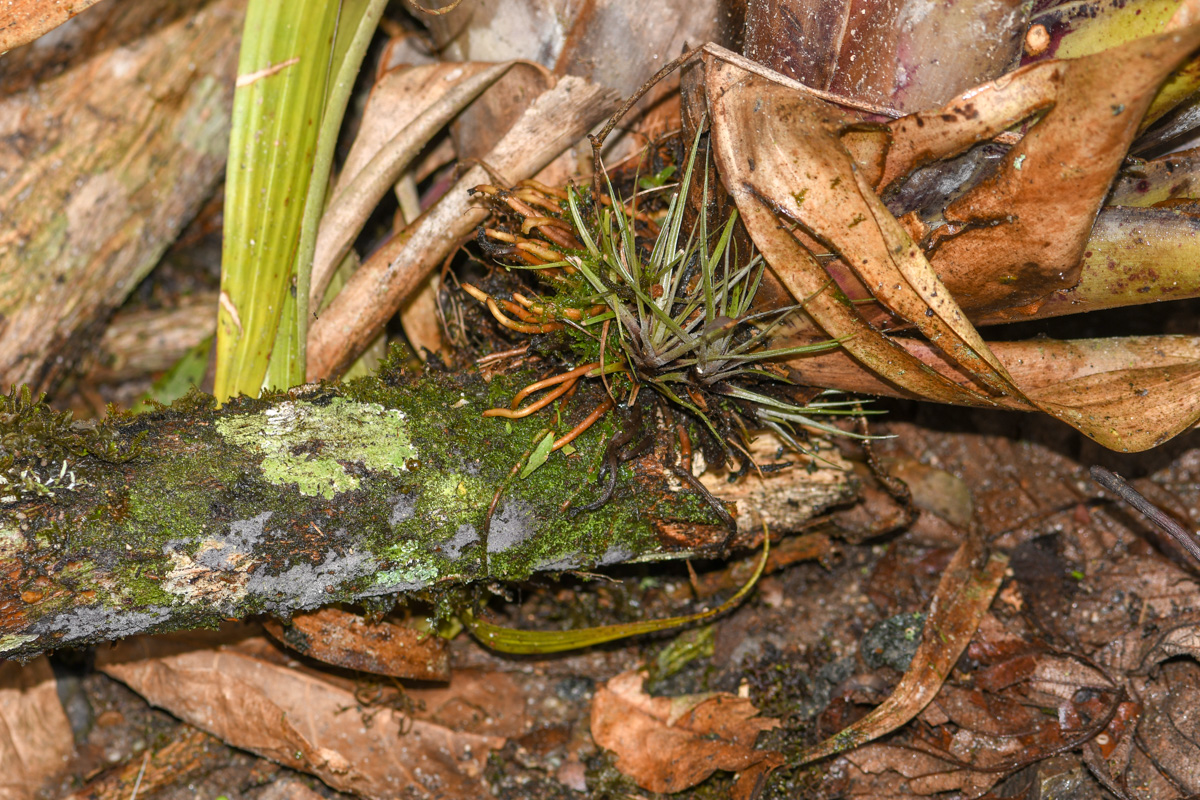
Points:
(26, 20)
(300, 720)
(779, 150)
(668, 744)
(962, 599)
(35, 736)
(1027, 224)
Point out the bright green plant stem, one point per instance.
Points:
(285, 119)
(355, 28)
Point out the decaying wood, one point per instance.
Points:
(144, 341)
(190, 515)
(101, 166)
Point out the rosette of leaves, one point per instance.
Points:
(648, 301)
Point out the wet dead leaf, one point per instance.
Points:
(347, 640)
(892, 54)
(35, 736)
(297, 719)
(668, 744)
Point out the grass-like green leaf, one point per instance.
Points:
(295, 72)
(538, 456)
(511, 640)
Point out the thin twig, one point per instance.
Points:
(1117, 485)
(598, 140)
(138, 783)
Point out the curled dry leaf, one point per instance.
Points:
(780, 151)
(973, 736)
(668, 744)
(35, 736)
(298, 719)
(347, 640)
(962, 599)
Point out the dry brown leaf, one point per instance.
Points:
(35, 736)
(407, 108)
(779, 150)
(297, 719)
(552, 123)
(1035, 212)
(26, 20)
(886, 770)
(347, 640)
(668, 744)
(760, 130)
(962, 599)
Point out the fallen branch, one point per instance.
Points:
(190, 515)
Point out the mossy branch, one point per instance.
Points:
(189, 515)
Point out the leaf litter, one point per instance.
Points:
(1084, 667)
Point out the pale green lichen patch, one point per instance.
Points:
(15, 640)
(306, 444)
(413, 568)
(11, 542)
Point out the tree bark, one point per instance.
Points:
(105, 156)
(190, 515)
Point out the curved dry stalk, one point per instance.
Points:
(353, 203)
(551, 124)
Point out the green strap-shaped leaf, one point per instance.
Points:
(511, 640)
(294, 74)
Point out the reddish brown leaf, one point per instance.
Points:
(298, 719)
(35, 736)
(347, 640)
(668, 744)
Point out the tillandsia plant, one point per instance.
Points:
(646, 300)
